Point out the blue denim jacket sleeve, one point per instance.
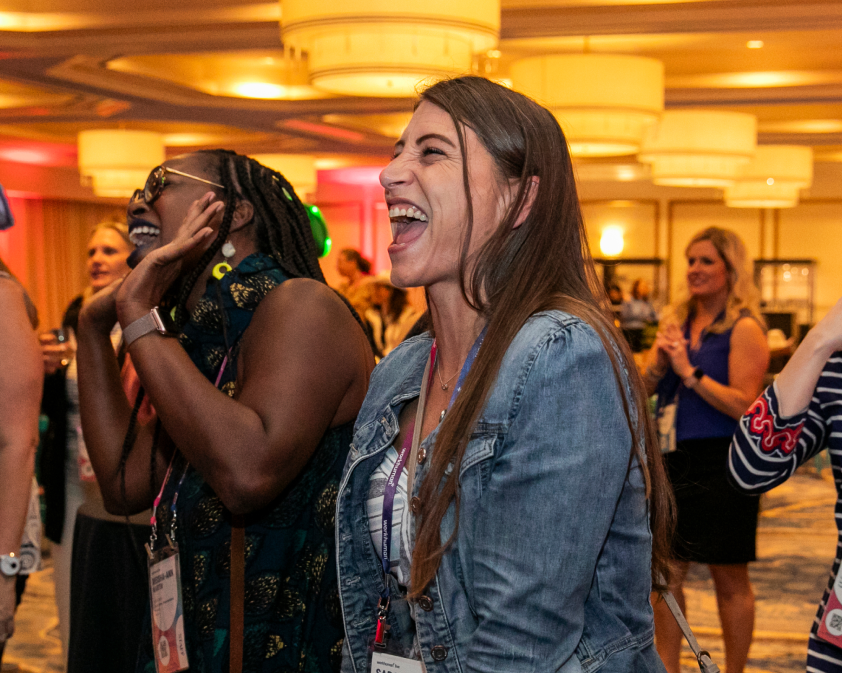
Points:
(548, 507)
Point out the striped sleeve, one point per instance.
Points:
(767, 448)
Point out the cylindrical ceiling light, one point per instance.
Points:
(773, 178)
(115, 162)
(298, 169)
(603, 102)
(699, 148)
(381, 48)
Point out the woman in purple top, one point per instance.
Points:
(711, 359)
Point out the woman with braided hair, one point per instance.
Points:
(256, 401)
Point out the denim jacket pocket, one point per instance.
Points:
(475, 470)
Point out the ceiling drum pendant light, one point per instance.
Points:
(298, 169)
(773, 178)
(115, 162)
(385, 48)
(603, 102)
(699, 148)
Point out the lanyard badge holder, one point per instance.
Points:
(165, 594)
(381, 660)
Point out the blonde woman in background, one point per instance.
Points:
(711, 358)
(100, 580)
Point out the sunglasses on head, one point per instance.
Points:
(156, 182)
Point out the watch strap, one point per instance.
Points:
(151, 322)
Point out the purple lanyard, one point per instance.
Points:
(389, 502)
(391, 488)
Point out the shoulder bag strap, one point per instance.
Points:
(706, 664)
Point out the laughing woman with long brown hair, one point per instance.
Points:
(495, 509)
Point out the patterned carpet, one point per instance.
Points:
(796, 544)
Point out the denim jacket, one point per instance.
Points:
(550, 567)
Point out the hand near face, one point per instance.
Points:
(100, 311)
(145, 286)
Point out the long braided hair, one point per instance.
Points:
(282, 230)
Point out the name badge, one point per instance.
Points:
(830, 629)
(167, 609)
(388, 663)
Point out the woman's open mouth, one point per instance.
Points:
(144, 235)
(407, 223)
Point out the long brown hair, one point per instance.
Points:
(543, 264)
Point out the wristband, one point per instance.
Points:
(151, 322)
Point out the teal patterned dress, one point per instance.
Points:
(293, 620)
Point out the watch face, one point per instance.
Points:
(167, 320)
(9, 565)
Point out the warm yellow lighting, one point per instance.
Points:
(260, 90)
(698, 148)
(604, 103)
(801, 126)
(760, 79)
(755, 44)
(118, 161)
(298, 169)
(382, 48)
(611, 242)
(772, 178)
(831, 153)
(260, 74)
(29, 22)
(390, 124)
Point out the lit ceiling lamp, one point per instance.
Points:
(298, 169)
(699, 148)
(115, 162)
(379, 48)
(603, 102)
(773, 178)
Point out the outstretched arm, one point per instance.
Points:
(787, 425)
(797, 381)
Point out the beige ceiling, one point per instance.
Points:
(214, 72)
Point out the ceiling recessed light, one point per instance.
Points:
(754, 44)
